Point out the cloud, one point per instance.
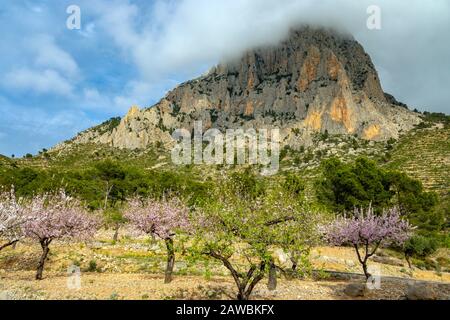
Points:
(88, 31)
(174, 35)
(41, 82)
(135, 92)
(189, 35)
(181, 34)
(47, 68)
(49, 55)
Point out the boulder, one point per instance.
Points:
(420, 291)
(282, 259)
(356, 289)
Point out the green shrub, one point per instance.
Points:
(92, 266)
(114, 296)
(343, 187)
(420, 246)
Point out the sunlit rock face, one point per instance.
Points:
(316, 80)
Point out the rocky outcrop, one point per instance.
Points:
(317, 80)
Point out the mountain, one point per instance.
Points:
(316, 80)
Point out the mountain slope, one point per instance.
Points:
(425, 155)
(317, 80)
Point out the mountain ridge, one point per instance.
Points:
(316, 80)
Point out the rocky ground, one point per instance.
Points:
(133, 269)
(139, 286)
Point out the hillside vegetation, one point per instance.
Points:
(321, 181)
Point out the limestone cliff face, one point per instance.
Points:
(316, 80)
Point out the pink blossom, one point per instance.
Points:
(158, 218)
(368, 231)
(12, 216)
(367, 228)
(58, 217)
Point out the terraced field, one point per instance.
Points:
(425, 155)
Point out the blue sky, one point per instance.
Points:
(55, 82)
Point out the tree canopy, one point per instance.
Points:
(344, 186)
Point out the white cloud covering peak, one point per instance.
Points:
(188, 35)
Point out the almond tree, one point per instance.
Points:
(114, 218)
(366, 232)
(241, 231)
(59, 217)
(161, 219)
(239, 238)
(11, 218)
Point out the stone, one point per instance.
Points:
(355, 289)
(283, 259)
(420, 291)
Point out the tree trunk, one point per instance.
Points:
(408, 260)
(255, 281)
(45, 251)
(363, 261)
(170, 260)
(272, 283)
(248, 283)
(241, 293)
(294, 262)
(116, 233)
(366, 273)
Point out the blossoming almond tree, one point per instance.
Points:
(243, 230)
(238, 234)
(11, 218)
(54, 217)
(160, 219)
(367, 231)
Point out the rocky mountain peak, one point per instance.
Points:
(316, 80)
(132, 112)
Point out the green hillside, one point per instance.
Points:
(423, 153)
